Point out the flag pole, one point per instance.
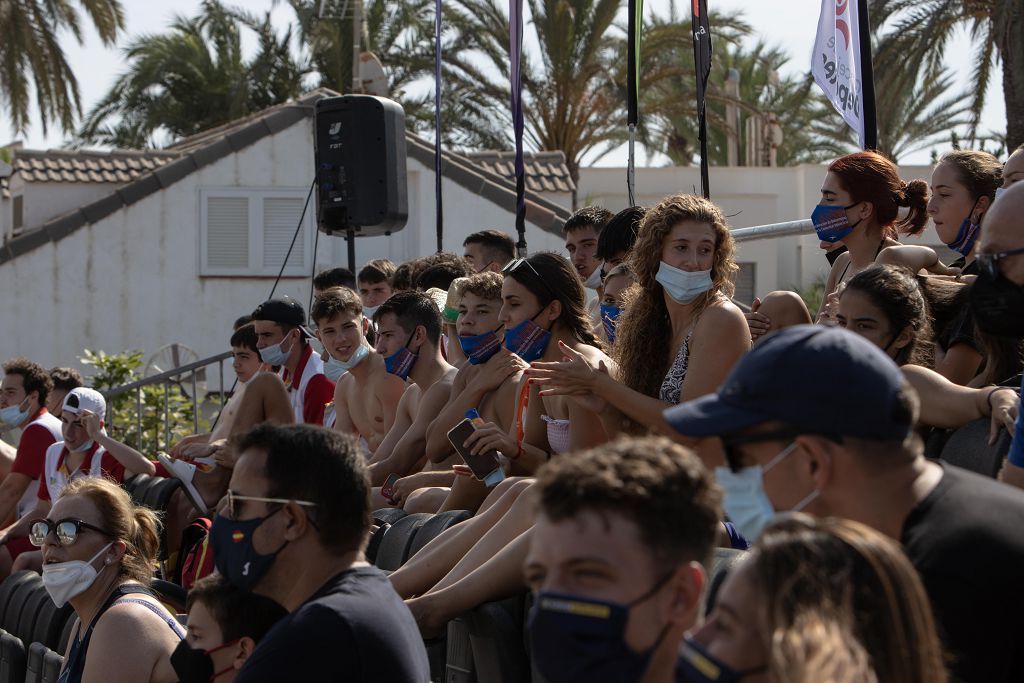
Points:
(633, 29)
(439, 209)
(702, 64)
(515, 36)
(867, 78)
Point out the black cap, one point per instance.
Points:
(284, 311)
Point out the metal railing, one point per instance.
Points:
(176, 379)
(772, 230)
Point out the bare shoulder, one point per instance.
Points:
(721, 321)
(132, 621)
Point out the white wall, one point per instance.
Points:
(131, 280)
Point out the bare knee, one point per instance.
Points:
(784, 309)
(427, 499)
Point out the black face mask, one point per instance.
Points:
(194, 665)
(998, 305)
(834, 254)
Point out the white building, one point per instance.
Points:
(135, 250)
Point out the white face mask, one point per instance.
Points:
(368, 311)
(84, 447)
(336, 368)
(65, 580)
(594, 281)
(999, 191)
(683, 286)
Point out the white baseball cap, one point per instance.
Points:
(83, 398)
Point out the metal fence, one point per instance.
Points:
(773, 230)
(186, 380)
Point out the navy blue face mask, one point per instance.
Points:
(481, 347)
(233, 554)
(831, 222)
(579, 640)
(695, 665)
(528, 340)
(401, 361)
(967, 235)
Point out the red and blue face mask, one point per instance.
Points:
(480, 348)
(528, 340)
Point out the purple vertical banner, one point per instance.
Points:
(515, 51)
(437, 127)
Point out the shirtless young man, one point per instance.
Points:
(489, 382)
(367, 395)
(412, 316)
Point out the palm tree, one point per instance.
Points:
(192, 78)
(570, 99)
(921, 30)
(32, 61)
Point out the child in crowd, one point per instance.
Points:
(224, 625)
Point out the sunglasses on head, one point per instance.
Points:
(989, 263)
(518, 264)
(66, 530)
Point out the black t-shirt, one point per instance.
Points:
(355, 628)
(966, 539)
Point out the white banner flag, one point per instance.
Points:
(836, 61)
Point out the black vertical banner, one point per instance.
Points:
(702, 62)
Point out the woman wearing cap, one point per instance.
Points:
(679, 335)
(886, 305)
(818, 600)
(861, 197)
(86, 451)
(99, 550)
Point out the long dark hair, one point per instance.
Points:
(558, 279)
(895, 290)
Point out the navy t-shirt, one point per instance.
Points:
(966, 539)
(355, 628)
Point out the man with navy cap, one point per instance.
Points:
(282, 341)
(818, 419)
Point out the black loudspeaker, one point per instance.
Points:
(359, 151)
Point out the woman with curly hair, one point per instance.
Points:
(679, 334)
(818, 600)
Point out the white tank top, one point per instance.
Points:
(314, 366)
(56, 479)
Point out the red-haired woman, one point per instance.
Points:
(861, 197)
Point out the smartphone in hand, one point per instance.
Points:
(388, 489)
(486, 466)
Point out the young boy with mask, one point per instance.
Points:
(615, 560)
(224, 625)
(367, 394)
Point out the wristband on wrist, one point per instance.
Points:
(988, 398)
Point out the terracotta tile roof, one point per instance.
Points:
(545, 171)
(64, 166)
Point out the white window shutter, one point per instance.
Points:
(227, 232)
(280, 218)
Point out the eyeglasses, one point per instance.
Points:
(234, 498)
(67, 531)
(989, 263)
(517, 264)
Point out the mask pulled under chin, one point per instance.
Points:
(334, 369)
(66, 580)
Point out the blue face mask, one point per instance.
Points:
(746, 504)
(966, 236)
(233, 554)
(578, 640)
(480, 348)
(831, 222)
(695, 665)
(683, 286)
(1000, 191)
(401, 361)
(12, 416)
(273, 355)
(334, 369)
(528, 340)
(609, 316)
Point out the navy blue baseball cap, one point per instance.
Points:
(814, 378)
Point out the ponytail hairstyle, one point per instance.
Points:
(558, 279)
(134, 525)
(870, 177)
(895, 290)
(644, 332)
(980, 172)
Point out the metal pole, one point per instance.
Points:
(220, 368)
(138, 416)
(167, 423)
(350, 237)
(761, 232)
(195, 405)
(357, 36)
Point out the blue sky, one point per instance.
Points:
(789, 23)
